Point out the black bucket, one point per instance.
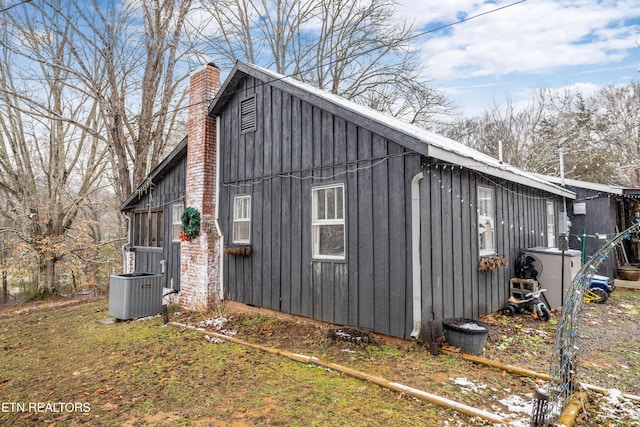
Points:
(468, 334)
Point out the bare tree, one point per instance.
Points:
(48, 165)
(263, 32)
(576, 124)
(617, 111)
(89, 91)
(519, 131)
(597, 134)
(136, 78)
(355, 49)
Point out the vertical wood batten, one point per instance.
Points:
(434, 250)
(295, 225)
(380, 225)
(285, 282)
(460, 288)
(468, 266)
(366, 294)
(340, 306)
(277, 206)
(427, 289)
(352, 215)
(399, 232)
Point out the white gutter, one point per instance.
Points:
(415, 256)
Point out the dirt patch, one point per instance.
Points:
(14, 309)
(607, 340)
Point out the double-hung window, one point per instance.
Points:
(328, 222)
(176, 221)
(242, 219)
(486, 221)
(551, 224)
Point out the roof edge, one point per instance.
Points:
(161, 167)
(410, 136)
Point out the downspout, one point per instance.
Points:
(216, 221)
(415, 256)
(124, 247)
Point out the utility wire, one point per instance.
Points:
(208, 101)
(415, 36)
(442, 27)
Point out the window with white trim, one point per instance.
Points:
(176, 221)
(242, 219)
(328, 222)
(486, 221)
(551, 224)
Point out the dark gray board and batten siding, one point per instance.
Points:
(167, 189)
(298, 145)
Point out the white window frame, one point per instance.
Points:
(551, 223)
(241, 215)
(176, 221)
(335, 218)
(486, 204)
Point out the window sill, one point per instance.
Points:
(146, 248)
(330, 260)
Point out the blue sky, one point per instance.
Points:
(508, 54)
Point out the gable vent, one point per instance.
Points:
(248, 114)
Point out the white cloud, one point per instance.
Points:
(531, 37)
(587, 89)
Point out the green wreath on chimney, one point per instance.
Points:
(190, 224)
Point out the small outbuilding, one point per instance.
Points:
(597, 214)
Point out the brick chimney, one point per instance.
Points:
(200, 258)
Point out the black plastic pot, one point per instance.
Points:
(468, 334)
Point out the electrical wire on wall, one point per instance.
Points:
(351, 167)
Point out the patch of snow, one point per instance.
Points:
(144, 319)
(505, 342)
(465, 383)
(519, 414)
(213, 340)
(617, 408)
(218, 324)
(519, 408)
(470, 326)
(517, 404)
